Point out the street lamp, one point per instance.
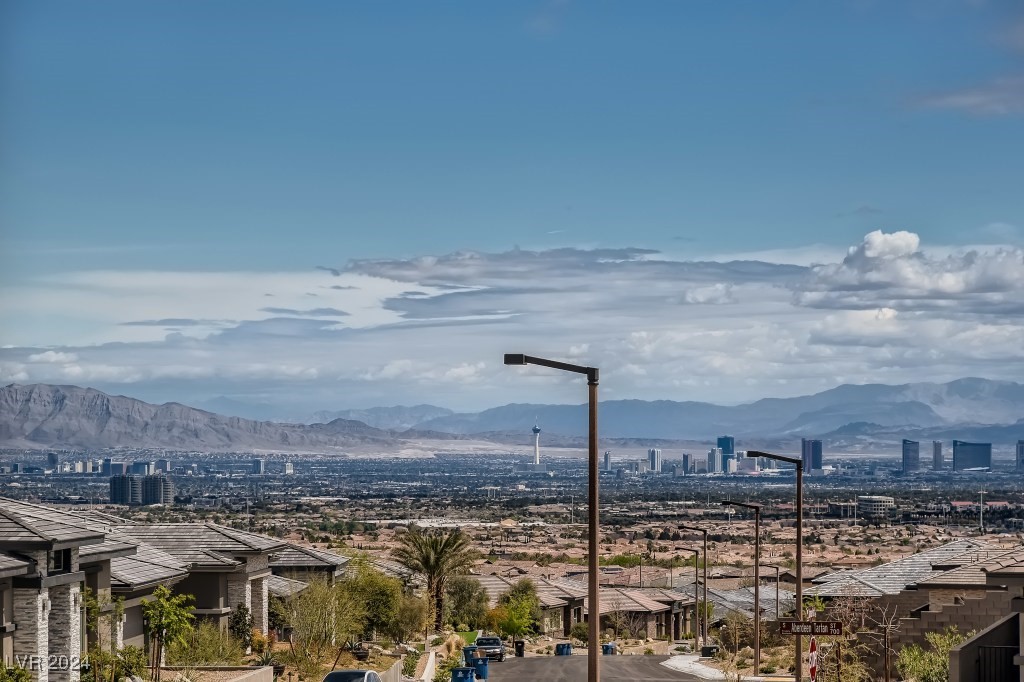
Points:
(594, 624)
(799, 464)
(757, 578)
(696, 587)
(704, 632)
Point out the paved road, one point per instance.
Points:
(574, 669)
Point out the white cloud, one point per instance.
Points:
(1002, 96)
(433, 328)
(52, 356)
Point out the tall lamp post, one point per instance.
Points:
(704, 532)
(757, 578)
(696, 586)
(799, 464)
(594, 623)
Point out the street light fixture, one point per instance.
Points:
(594, 624)
(757, 578)
(704, 532)
(696, 587)
(799, 464)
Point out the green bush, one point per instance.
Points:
(648, 651)
(13, 674)
(131, 660)
(409, 664)
(579, 631)
(207, 644)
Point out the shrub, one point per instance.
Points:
(131, 661)
(409, 664)
(13, 674)
(579, 631)
(648, 651)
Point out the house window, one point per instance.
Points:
(60, 561)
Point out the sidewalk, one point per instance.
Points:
(690, 664)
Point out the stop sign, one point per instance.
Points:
(812, 659)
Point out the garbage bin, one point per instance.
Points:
(481, 667)
(463, 674)
(520, 646)
(564, 649)
(709, 651)
(608, 649)
(468, 652)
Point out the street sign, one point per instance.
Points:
(812, 660)
(830, 628)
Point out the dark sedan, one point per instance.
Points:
(492, 647)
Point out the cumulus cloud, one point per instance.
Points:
(53, 357)
(889, 270)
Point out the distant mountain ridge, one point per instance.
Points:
(397, 418)
(915, 407)
(43, 415)
(69, 416)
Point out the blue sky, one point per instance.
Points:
(251, 142)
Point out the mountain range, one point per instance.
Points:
(42, 415)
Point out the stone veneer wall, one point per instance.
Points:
(65, 632)
(31, 638)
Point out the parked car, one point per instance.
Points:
(352, 676)
(492, 647)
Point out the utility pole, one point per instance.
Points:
(981, 511)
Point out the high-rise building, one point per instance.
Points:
(687, 463)
(714, 460)
(911, 456)
(259, 466)
(125, 489)
(607, 460)
(118, 468)
(971, 455)
(938, 463)
(729, 464)
(727, 444)
(52, 461)
(1020, 455)
(654, 460)
(106, 466)
(810, 454)
(157, 489)
(143, 468)
(163, 466)
(289, 468)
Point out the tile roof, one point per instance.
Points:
(147, 566)
(206, 544)
(26, 524)
(973, 568)
(10, 565)
(296, 556)
(621, 599)
(895, 576)
(279, 586)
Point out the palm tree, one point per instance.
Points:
(438, 556)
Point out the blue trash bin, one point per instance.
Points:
(463, 674)
(481, 668)
(468, 653)
(564, 649)
(608, 649)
